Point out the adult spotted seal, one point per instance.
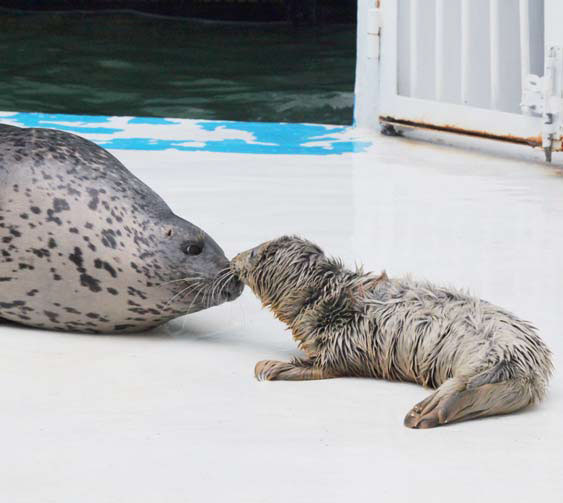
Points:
(86, 246)
(482, 359)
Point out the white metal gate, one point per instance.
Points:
(466, 66)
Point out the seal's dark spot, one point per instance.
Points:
(60, 204)
(94, 200)
(108, 239)
(123, 327)
(52, 218)
(113, 291)
(92, 283)
(52, 243)
(133, 292)
(52, 316)
(35, 209)
(76, 257)
(40, 252)
(99, 264)
(9, 305)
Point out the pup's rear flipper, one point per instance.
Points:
(454, 401)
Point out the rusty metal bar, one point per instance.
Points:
(532, 141)
(494, 22)
(440, 68)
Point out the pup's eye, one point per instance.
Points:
(193, 249)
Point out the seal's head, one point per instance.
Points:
(278, 271)
(201, 273)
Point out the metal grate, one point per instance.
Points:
(471, 52)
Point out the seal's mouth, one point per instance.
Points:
(227, 286)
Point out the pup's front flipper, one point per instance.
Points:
(271, 370)
(454, 401)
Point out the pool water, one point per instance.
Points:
(127, 64)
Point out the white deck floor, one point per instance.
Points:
(176, 415)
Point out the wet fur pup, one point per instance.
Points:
(481, 359)
(86, 246)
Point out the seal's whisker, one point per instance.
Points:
(214, 292)
(187, 278)
(194, 299)
(224, 282)
(183, 291)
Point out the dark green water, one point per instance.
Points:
(121, 64)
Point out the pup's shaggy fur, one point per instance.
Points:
(482, 359)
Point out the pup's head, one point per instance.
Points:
(276, 269)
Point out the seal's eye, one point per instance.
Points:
(253, 253)
(192, 249)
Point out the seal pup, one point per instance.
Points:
(481, 359)
(86, 246)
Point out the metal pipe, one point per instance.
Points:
(524, 40)
(494, 22)
(414, 43)
(439, 73)
(465, 48)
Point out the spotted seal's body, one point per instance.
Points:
(86, 246)
(482, 359)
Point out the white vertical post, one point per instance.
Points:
(414, 43)
(494, 21)
(465, 48)
(553, 115)
(440, 75)
(366, 112)
(524, 40)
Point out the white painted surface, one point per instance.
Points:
(176, 416)
(465, 51)
(366, 92)
(474, 47)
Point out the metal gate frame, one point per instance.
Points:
(378, 66)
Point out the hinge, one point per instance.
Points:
(374, 33)
(543, 96)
